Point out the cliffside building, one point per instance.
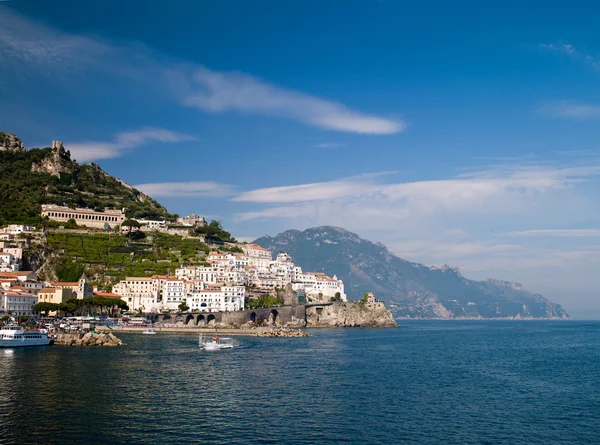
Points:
(84, 217)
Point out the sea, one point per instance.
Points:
(428, 382)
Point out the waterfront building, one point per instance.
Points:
(18, 303)
(217, 299)
(85, 217)
(318, 286)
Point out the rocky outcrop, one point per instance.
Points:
(10, 142)
(347, 314)
(88, 339)
(59, 162)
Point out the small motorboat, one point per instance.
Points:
(149, 331)
(215, 343)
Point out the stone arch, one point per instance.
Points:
(273, 317)
(253, 317)
(188, 319)
(201, 321)
(166, 317)
(211, 320)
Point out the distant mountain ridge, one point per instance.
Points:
(30, 178)
(412, 290)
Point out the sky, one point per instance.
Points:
(455, 133)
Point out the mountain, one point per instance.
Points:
(30, 178)
(410, 289)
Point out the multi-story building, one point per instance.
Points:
(85, 217)
(81, 289)
(54, 295)
(18, 303)
(8, 262)
(319, 286)
(224, 298)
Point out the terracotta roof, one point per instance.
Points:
(48, 290)
(65, 283)
(106, 294)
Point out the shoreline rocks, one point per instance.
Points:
(88, 339)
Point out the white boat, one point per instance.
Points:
(17, 337)
(215, 343)
(149, 332)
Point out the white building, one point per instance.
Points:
(18, 303)
(223, 299)
(15, 229)
(318, 286)
(8, 262)
(149, 224)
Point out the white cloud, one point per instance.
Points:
(558, 232)
(218, 92)
(191, 189)
(573, 53)
(93, 150)
(62, 54)
(571, 110)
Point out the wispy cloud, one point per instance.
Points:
(558, 232)
(365, 199)
(191, 189)
(571, 110)
(123, 142)
(219, 92)
(573, 53)
(196, 86)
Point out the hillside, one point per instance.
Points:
(410, 289)
(30, 178)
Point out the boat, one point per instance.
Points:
(18, 337)
(215, 343)
(149, 331)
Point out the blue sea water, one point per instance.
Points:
(430, 382)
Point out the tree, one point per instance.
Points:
(68, 270)
(4, 319)
(130, 224)
(365, 297)
(183, 306)
(45, 308)
(338, 296)
(70, 224)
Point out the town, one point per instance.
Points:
(244, 276)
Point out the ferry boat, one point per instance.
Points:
(215, 343)
(17, 337)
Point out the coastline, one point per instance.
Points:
(250, 332)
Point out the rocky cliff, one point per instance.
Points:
(349, 314)
(10, 142)
(29, 178)
(411, 290)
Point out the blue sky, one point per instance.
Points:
(459, 134)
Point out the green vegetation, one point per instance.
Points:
(183, 306)
(264, 301)
(85, 306)
(69, 271)
(214, 231)
(22, 191)
(107, 258)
